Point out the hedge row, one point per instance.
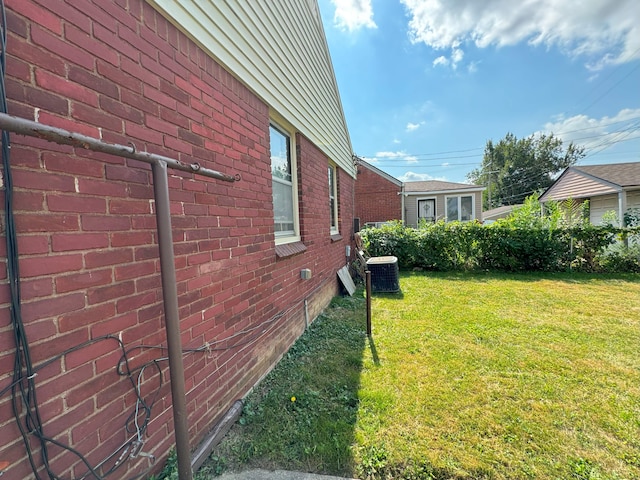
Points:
(505, 247)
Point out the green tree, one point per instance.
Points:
(515, 168)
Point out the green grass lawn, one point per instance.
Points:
(466, 377)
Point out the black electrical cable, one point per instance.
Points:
(23, 387)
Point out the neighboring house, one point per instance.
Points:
(609, 188)
(494, 214)
(378, 195)
(380, 198)
(434, 200)
(239, 87)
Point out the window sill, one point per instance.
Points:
(289, 249)
(336, 237)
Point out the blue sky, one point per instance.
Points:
(425, 83)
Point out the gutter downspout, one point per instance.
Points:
(159, 166)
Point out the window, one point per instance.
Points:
(333, 198)
(460, 208)
(427, 209)
(283, 174)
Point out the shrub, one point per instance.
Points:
(507, 246)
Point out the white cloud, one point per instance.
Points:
(352, 15)
(400, 155)
(441, 60)
(594, 133)
(601, 31)
(412, 126)
(417, 177)
(456, 57)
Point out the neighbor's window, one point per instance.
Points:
(460, 208)
(283, 174)
(333, 198)
(427, 209)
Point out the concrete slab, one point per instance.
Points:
(275, 475)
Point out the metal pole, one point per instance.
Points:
(172, 319)
(367, 274)
(65, 137)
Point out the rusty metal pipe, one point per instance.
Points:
(58, 135)
(159, 165)
(172, 318)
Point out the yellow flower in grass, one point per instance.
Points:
(293, 399)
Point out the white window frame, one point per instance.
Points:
(332, 173)
(459, 199)
(286, 130)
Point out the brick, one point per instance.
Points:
(105, 223)
(169, 88)
(190, 137)
(54, 83)
(174, 117)
(143, 133)
(95, 83)
(97, 117)
(36, 288)
(91, 186)
(38, 180)
(108, 257)
(62, 242)
(87, 43)
(85, 317)
(138, 269)
(83, 280)
(157, 96)
(121, 110)
(43, 99)
(38, 56)
(69, 125)
(56, 162)
(73, 54)
(137, 301)
(59, 385)
(112, 326)
(127, 239)
(127, 174)
(161, 126)
(32, 245)
(19, 70)
(76, 203)
(30, 223)
(48, 265)
(110, 292)
(16, 24)
(124, 78)
(38, 15)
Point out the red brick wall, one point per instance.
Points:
(376, 199)
(117, 70)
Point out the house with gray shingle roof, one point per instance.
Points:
(434, 200)
(612, 187)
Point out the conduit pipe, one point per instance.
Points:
(159, 165)
(59, 135)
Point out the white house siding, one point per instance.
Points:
(411, 204)
(278, 49)
(600, 205)
(576, 185)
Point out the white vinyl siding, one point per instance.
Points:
(278, 49)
